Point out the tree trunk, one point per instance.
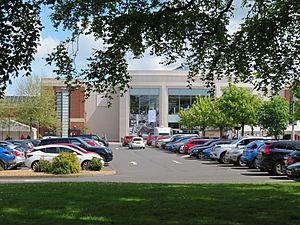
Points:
(203, 132)
(221, 132)
(243, 127)
(252, 131)
(30, 124)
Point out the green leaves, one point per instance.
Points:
(236, 107)
(19, 35)
(264, 50)
(240, 106)
(38, 105)
(274, 115)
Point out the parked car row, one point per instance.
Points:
(14, 153)
(277, 157)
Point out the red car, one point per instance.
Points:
(126, 140)
(192, 143)
(159, 138)
(150, 138)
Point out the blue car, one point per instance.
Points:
(171, 146)
(249, 156)
(7, 158)
(206, 153)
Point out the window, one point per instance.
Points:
(173, 104)
(144, 110)
(280, 145)
(76, 142)
(63, 149)
(51, 150)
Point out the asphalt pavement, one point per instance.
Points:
(152, 165)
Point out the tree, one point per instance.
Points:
(19, 36)
(240, 106)
(38, 107)
(219, 118)
(274, 115)
(187, 118)
(9, 109)
(297, 110)
(265, 48)
(202, 108)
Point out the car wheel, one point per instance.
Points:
(85, 165)
(200, 155)
(2, 165)
(254, 164)
(239, 162)
(278, 170)
(34, 165)
(222, 158)
(181, 150)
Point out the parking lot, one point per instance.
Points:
(153, 165)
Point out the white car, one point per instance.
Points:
(219, 151)
(234, 156)
(48, 152)
(137, 142)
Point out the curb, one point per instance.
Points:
(46, 175)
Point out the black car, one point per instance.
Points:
(105, 152)
(93, 137)
(293, 171)
(270, 156)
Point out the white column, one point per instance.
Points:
(163, 106)
(124, 115)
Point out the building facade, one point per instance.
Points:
(154, 99)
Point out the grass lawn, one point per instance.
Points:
(142, 204)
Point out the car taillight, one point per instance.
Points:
(251, 150)
(291, 161)
(17, 153)
(266, 149)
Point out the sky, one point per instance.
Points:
(50, 38)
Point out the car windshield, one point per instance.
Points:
(235, 141)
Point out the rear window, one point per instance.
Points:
(137, 139)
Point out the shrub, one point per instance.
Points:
(43, 166)
(65, 163)
(96, 164)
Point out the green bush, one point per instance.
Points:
(65, 163)
(43, 166)
(96, 164)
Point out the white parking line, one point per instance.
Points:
(177, 162)
(133, 163)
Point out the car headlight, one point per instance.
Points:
(297, 169)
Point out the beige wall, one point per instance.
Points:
(100, 119)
